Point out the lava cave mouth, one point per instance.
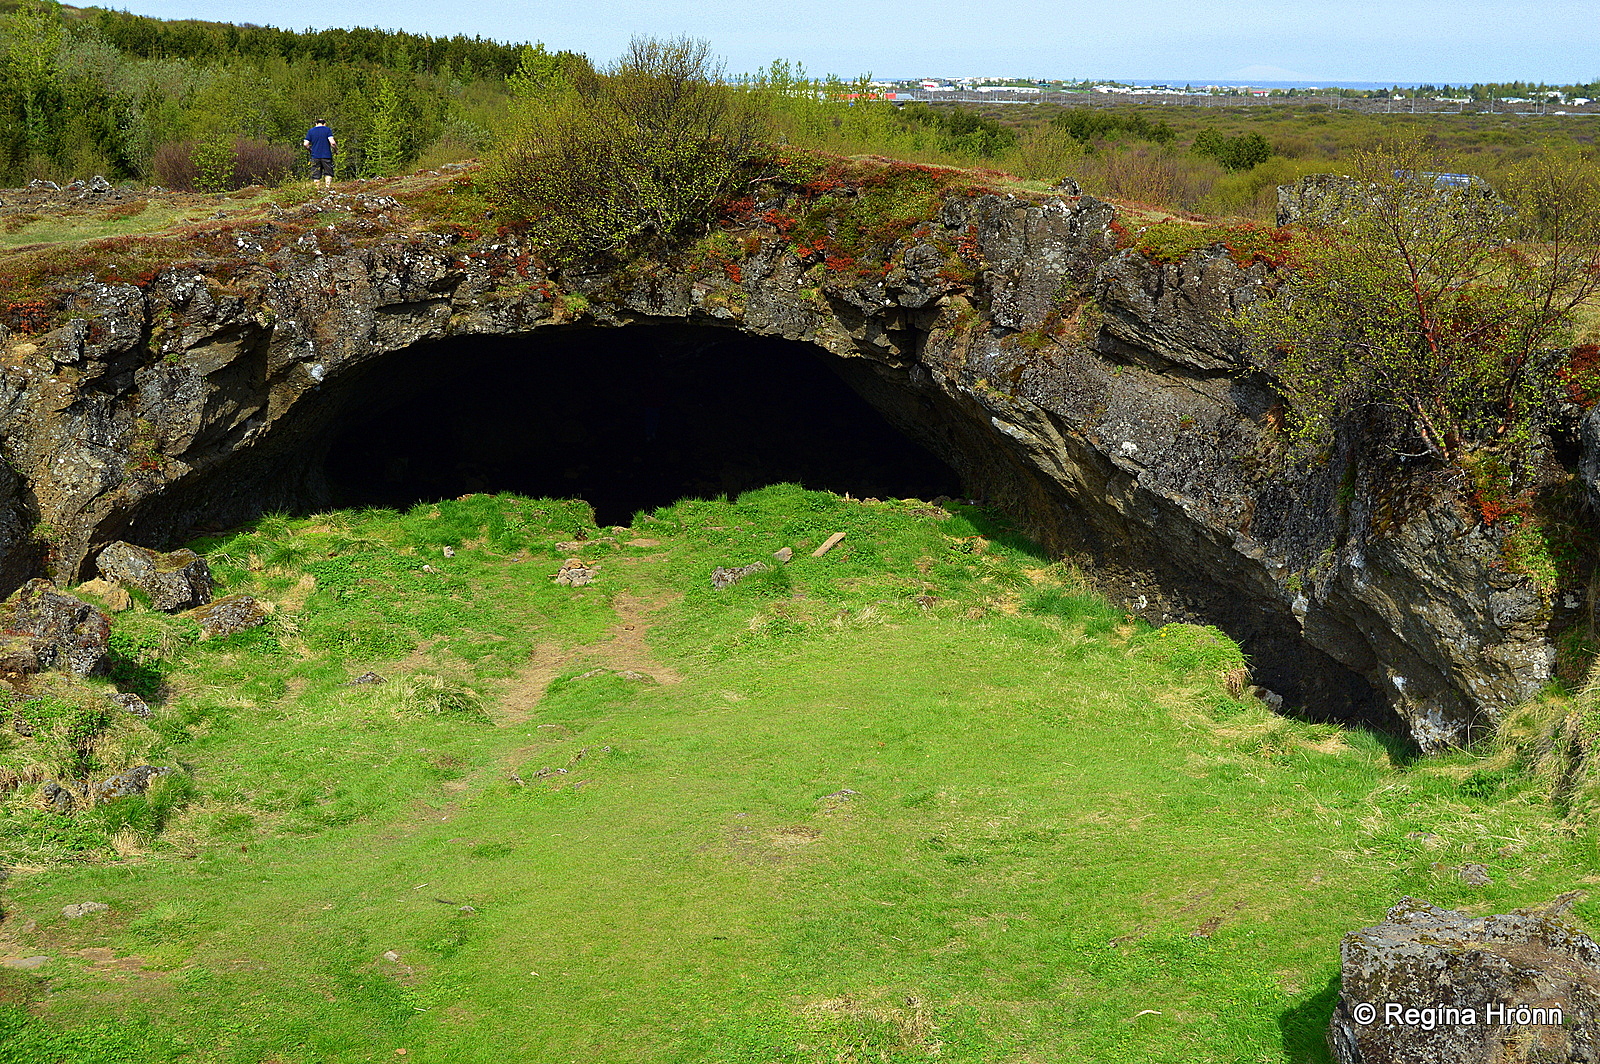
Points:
(627, 419)
(635, 417)
(1089, 393)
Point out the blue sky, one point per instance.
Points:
(1184, 40)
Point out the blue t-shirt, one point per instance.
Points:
(319, 136)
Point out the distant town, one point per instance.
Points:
(1511, 98)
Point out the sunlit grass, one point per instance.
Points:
(921, 798)
(53, 228)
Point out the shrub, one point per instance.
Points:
(1254, 192)
(1240, 152)
(1087, 126)
(1045, 154)
(173, 166)
(1442, 312)
(217, 166)
(213, 163)
(1150, 176)
(961, 132)
(634, 158)
(255, 162)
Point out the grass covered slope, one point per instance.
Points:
(921, 798)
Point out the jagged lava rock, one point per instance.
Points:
(40, 628)
(229, 615)
(128, 783)
(176, 580)
(1495, 971)
(1097, 396)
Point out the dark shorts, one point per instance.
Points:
(321, 168)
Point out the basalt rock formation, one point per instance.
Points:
(173, 581)
(1431, 986)
(1096, 396)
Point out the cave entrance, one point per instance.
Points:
(628, 419)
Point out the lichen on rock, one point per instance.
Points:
(1095, 394)
(41, 628)
(176, 580)
(229, 615)
(1434, 986)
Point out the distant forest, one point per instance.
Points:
(89, 91)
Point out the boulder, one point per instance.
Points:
(130, 703)
(1433, 986)
(573, 573)
(40, 628)
(722, 577)
(128, 783)
(57, 799)
(228, 615)
(177, 580)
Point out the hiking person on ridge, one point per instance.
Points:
(319, 139)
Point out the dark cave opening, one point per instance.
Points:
(634, 418)
(628, 419)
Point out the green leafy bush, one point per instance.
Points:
(630, 159)
(1437, 316)
(1087, 126)
(1243, 151)
(962, 132)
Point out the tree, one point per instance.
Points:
(29, 38)
(382, 151)
(1447, 307)
(631, 159)
(540, 71)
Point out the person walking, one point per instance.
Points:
(319, 141)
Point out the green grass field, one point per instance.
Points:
(923, 798)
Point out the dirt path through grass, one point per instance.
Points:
(864, 813)
(624, 650)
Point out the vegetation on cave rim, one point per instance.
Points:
(846, 213)
(39, 281)
(849, 216)
(1452, 310)
(841, 818)
(1170, 240)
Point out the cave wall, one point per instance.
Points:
(1094, 395)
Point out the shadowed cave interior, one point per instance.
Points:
(628, 419)
(634, 418)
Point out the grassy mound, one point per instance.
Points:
(922, 797)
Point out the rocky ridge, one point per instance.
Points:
(1095, 395)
